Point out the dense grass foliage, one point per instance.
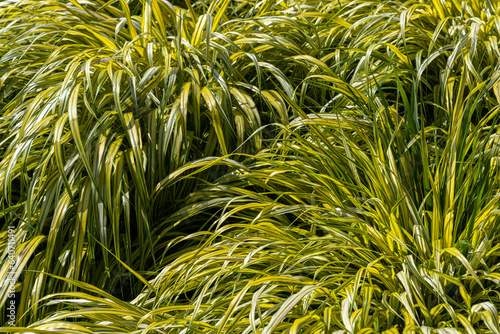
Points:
(251, 166)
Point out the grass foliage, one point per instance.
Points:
(222, 166)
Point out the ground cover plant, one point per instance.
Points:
(250, 166)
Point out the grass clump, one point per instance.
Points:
(251, 167)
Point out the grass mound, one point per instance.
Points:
(250, 166)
